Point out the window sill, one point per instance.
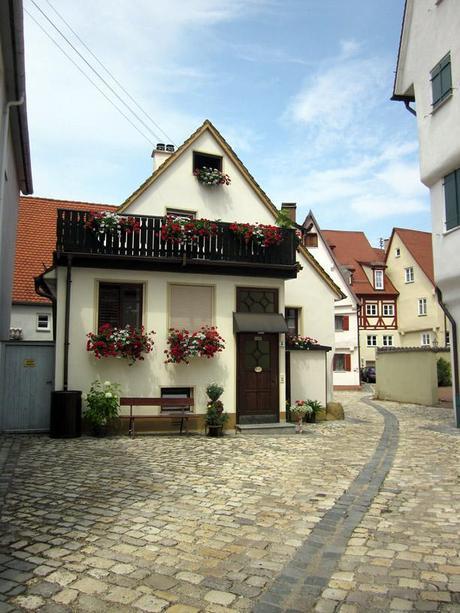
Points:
(407, 282)
(441, 102)
(422, 315)
(451, 230)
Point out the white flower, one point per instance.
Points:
(107, 383)
(84, 396)
(108, 395)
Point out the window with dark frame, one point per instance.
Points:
(256, 300)
(452, 199)
(342, 362)
(311, 239)
(43, 322)
(342, 322)
(205, 159)
(441, 81)
(176, 392)
(120, 304)
(292, 320)
(181, 213)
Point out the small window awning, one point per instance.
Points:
(259, 322)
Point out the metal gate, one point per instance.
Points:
(28, 379)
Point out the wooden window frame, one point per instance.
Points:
(422, 307)
(379, 273)
(369, 336)
(210, 156)
(120, 285)
(297, 311)
(257, 289)
(409, 278)
(386, 337)
(311, 239)
(388, 306)
(346, 362)
(368, 307)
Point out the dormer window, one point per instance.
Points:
(378, 279)
(201, 160)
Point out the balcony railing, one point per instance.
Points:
(225, 249)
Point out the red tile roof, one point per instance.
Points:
(353, 250)
(36, 241)
(420, 246)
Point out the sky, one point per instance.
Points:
(299, 88)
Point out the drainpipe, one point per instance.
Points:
(325, 379)
(67, 322)
(409, 108)
(42, 289)
(454, 348)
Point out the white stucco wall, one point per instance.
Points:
(25, 317)
(345, 341)
(308, 373)
(147, 377)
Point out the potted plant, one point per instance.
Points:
(211, 176)
(107, 222)
(130, 343)
(215, 416)
(261, 234)
(180, 230)
(102, 404)
(183, 345)
(315, 408)
(299, 410)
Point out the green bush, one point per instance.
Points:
(444, 373)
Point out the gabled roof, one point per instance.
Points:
(36, 241)
(403, 41)
(353, 250)
(252, 183)
(420, 246)
(310, 218)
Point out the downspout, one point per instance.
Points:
(42, 289)
(409, 108)
(67, 322)
(325, 379)
(454, 348)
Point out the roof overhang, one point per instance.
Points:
(259, 323)
(12, 42)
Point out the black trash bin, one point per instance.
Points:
(65, 417)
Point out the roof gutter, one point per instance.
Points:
(454, 348)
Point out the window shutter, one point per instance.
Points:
(452, 196)
(345, 322)
(109, 305)
(347, 362)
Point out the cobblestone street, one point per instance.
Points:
(358, 515)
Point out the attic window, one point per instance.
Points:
(311, 239)
(205, 159)
(378, 279)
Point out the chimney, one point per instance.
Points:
(290, 209)
(160, 154)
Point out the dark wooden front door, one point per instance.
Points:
(258, 385)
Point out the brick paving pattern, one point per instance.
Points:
(193, 524)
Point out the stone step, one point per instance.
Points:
(276, 428)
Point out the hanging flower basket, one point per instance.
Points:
(130, 343)
(300, 342)
(260, 234)
(107, 222)
(180, 230)
(183, 345)
(211, 176)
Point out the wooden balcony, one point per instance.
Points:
(223, 253)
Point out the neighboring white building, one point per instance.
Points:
(428, 73)
(15, 170)
(225, 282)
(346, 363)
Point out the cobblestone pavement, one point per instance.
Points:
(360, 515)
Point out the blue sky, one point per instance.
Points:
(300, 89)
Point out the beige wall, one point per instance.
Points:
(408, 376)
(410, 324)
(147, 377)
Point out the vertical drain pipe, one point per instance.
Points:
(453, 342)
(67, 322)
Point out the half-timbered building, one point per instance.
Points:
(366, 270)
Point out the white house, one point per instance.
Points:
(15, 168)
(428, 73)
(346, 364)
(221, 280)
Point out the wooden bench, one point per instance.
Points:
(183, 415)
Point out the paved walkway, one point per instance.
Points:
(360, 515)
